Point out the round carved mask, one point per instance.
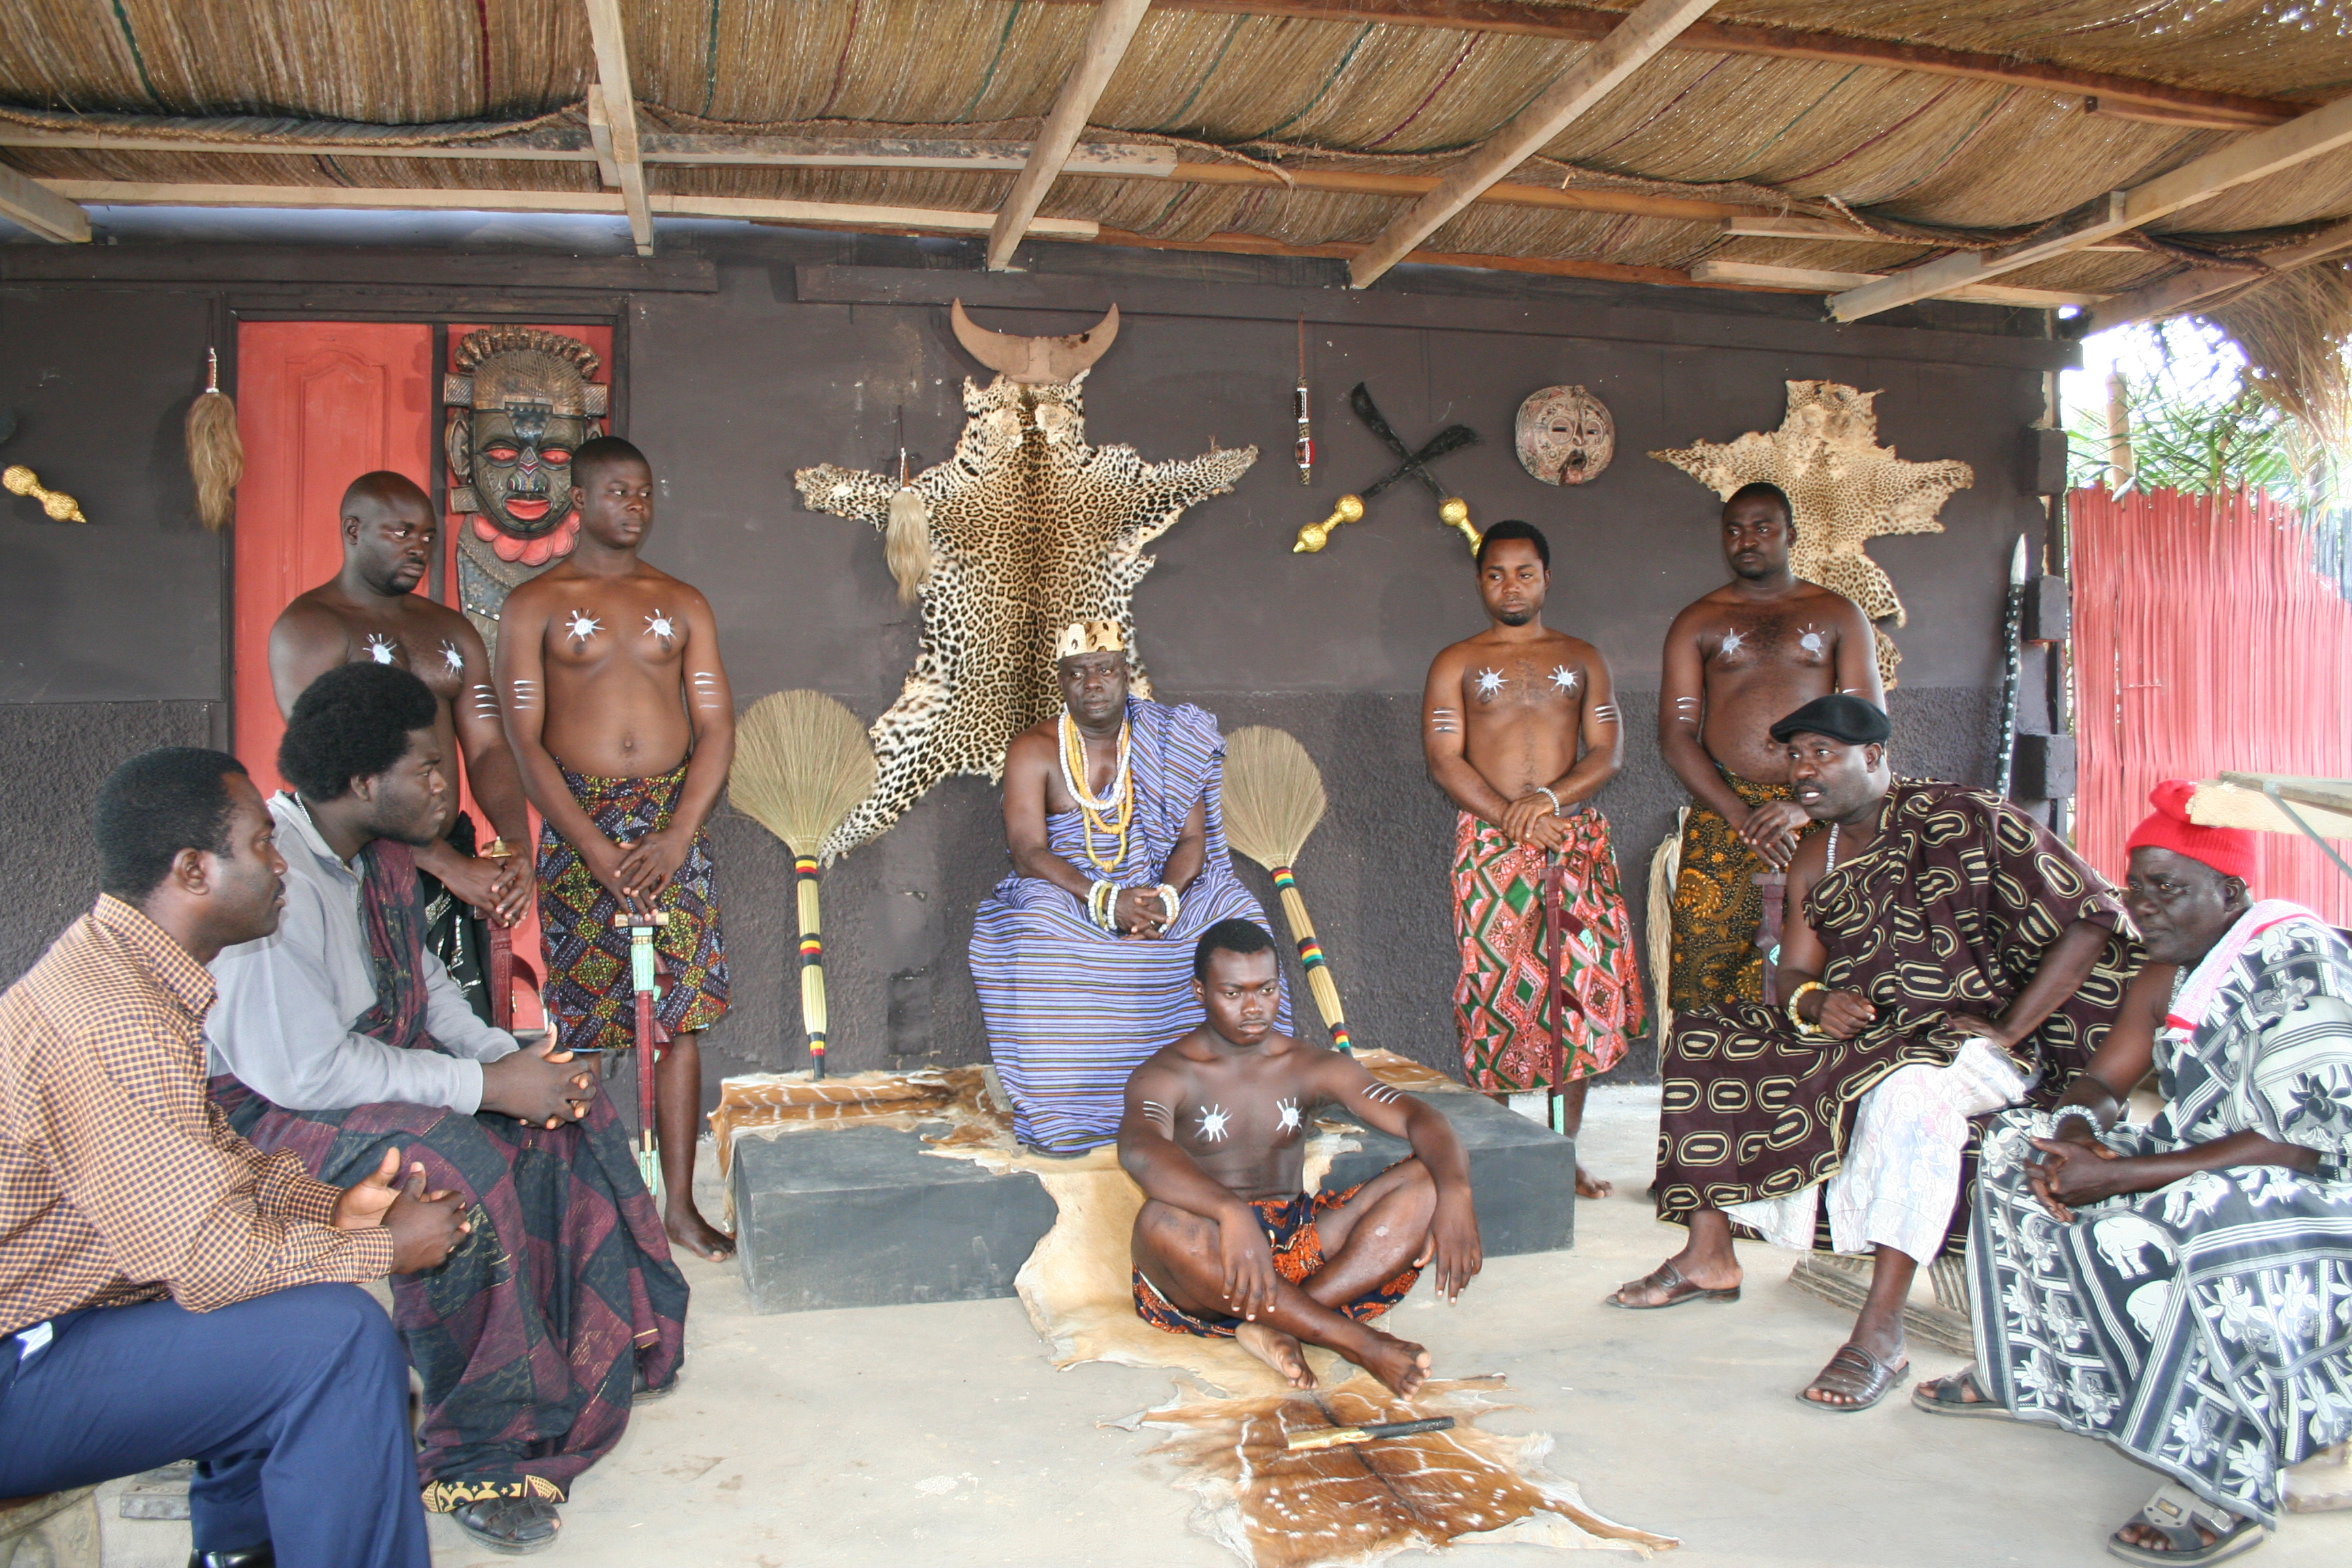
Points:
(1565, 435)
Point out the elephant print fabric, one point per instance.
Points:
(1029, 530)
(2204, 1327)
(1948, 912)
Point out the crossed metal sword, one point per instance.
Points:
(1451, 510)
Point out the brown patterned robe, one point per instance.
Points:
(1950, 912)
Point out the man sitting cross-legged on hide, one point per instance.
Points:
(1943, 956)
(1117, 839)
(166, 1291)
(341, 1035)
(2184, 1288)
(1215, 1132)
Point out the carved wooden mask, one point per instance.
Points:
(1565, 435)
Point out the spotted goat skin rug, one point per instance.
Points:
(1321, 1507)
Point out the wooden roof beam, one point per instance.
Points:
(1645, 30)
(445, 199)
(2170, 295)
(2250, 158)
(1807, 279)
(1107, 35)
(1759, 225)
(40, 211)
(1573, 24)
(619, 102)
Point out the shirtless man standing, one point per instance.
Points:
(1228, 1243)
(371, 611)
(1519, 727)
(624, 725)
(1760, 646)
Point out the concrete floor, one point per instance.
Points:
(917, 1435)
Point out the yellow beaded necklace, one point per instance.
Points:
(1114, 812)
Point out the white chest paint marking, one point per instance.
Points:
(581, 628)
(1213, 1123)
(1811, 642)
(1562, 677)
(381, 649)
(1289, 1110)
(1490, 681)
(1732, 642)
(451, 656)
(658, 625)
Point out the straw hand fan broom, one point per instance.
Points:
(1273, 799)
(802, 760)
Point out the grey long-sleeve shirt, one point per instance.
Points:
(283, 1022)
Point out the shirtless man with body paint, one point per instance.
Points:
(371, 611)
(609, 668)
(1215, 1132)
(1520, 728)
(1736, 662)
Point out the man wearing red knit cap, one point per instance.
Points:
(2183, 1288)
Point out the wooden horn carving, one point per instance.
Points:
(1035, 362)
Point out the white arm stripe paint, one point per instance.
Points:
(1382, 1094)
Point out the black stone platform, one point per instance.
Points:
(863, 1218)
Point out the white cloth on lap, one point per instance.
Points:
(1901, 1174)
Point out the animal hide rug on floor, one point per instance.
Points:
(1274, 1508)
(1029, 528)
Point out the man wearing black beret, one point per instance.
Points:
(1951, 958)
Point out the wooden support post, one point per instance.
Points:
(1643, 33)
(41, 211)
(620, 103)
(2254, 157)
(1107, 35)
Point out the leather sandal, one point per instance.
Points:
(512, 1525)
(1951, 1398)
(2176, 1512)
(1858, 1375)
(1669, 1278)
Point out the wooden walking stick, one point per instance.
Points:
(642, 978)
(802, 760)
(502, 957)
(1274, 798)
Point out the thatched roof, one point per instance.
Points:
(1902, 131)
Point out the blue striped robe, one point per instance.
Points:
(1072, 1010)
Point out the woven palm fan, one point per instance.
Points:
(802, 760)
(1273, 799)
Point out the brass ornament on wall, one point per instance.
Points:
(1565, 435)
(62, 508)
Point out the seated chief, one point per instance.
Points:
(1117, 839)
(342, 1034)
(2183, 1289)
(1228, 1244)
(1945, 956)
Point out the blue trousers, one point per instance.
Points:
(295, 1407)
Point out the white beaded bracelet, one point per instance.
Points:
(1550, 796)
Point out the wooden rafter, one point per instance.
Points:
(1795, 226)
(1644, 32)
(619, 102)
(443, 198)
(1578, 25)
(2253, 157)
(1814, 280)
(1104, 45)
(2197, 285)
(40, 211)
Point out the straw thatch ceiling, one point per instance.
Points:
(1776, 143)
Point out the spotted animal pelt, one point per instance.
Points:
(1845, 487)
(1030, 529)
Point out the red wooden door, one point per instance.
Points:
(317, 404)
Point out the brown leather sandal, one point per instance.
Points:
(1669, 1278)
(1858, 1375)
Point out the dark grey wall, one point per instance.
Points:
(785, 363)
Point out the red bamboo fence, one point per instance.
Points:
(2204, 641)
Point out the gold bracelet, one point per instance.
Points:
(1806, 1030)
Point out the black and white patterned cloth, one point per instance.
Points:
(2204, 1327)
